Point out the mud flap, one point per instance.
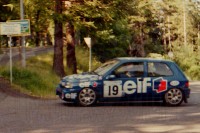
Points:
(185, 100)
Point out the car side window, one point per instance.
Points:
(131, 69)
(156, 69)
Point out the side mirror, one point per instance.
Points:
(110, 77)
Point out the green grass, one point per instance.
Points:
(82, 56)
(38, 79)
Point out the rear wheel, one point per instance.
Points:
(173, 97)
(87, 97)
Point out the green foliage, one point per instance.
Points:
(188, 60)
(27, 78)
(5, 11)
(37, 79)
(112, 42)
(104, 21)
(82, 57)
(116, 25)
(40, 15)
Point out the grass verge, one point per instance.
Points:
(38, 79)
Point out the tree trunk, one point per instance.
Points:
(71, 58)
(37, 39)
(141, 47)
(58, 66)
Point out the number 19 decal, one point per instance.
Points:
(112, 88)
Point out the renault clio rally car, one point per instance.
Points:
(127, 79)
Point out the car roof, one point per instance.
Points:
(127, 59)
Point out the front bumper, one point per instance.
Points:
(67, 94)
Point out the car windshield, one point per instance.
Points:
(105, 67)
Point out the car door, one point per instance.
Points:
(126, 84)
(160, 74)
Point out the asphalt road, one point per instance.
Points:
(16, 53)
(27, 115)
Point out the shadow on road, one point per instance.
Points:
(127, 104)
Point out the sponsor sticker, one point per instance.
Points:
(70, 96)
(119, 88)
(174, 83)
(73, 95)
(159, 85)
(84, 84)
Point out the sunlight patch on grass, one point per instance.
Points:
(38, 78)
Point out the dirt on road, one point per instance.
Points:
(6, 89)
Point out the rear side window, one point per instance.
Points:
(156, 69)
(131, 69)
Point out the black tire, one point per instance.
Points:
(173, 97)
(87, 97)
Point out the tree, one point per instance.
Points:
(39, 12)
(58, 65)
(194, 17)
(70, 39)
(142, 27)
(105, 22)
(5, 11)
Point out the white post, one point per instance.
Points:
(10, 45)
(90, 61)
(88, 42)
(23, 38)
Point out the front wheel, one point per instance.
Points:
(173, 97)
(87, 97)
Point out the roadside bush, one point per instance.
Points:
(189, 61)
(194, 71)
(186, 58)
(31, 82)
(38, 78)
(82, 57)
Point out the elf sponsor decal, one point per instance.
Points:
(88, 84)
(69, 95)
(84, 84)
(159, 85)
(117, 89)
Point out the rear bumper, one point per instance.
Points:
(187, 95)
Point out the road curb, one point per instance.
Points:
(195, 82)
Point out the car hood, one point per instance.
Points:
(81, 78)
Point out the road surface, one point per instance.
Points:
(27, 115)
(16, 54)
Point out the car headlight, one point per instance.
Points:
(66, 84)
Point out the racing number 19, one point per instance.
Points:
(113, 90)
